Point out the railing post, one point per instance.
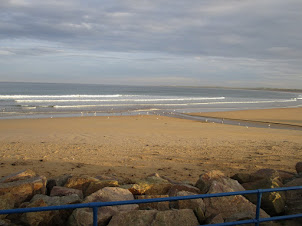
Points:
(259, 196)
(95, 216)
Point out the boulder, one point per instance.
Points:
(49, 186)
(84, 216)
(197, 205)
(217, 219)
(294, 198)
(262, 174)
(240, 217)
(205, 181)
(183, 187)
(6, 222)
(6, 202)
(63, 191)
(62, 179)
(97, 185)
(80, 182)
(154, 205)
(299, 167)
(57, 217)
(285, 176)
(228, 206)
(38, 218)
(24, 174)
(24, 190)
(56, 200)
(242, 177)
(273, 202)
(247, 216)
(57, 181)
(152, 185)
(184, 217)
(133, 218)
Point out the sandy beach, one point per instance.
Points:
(136, 146)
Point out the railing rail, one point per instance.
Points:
(96, 205)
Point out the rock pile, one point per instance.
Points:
(26, 189)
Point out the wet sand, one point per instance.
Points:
(288, 116)
(135, 146)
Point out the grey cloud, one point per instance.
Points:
(235, 40)
(214, 28)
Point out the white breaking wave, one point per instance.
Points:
(123, 100)
(58, 96)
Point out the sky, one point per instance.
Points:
(234, 43)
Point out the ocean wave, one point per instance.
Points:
(29, 107)
(248, 102)
(123, 100)
(58, 96)
(174, 104)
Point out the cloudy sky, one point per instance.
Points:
(237, 43)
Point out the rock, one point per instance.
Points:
(242, 177)
(83, 216)
(155, 205)
(133, 218)
(240, 216)
(293, 198)
(197, 205)
(38, 218)
(57, 217)
(56, 200)
(24, 190)
(217, 219)
(57, 181)
(206, 180)
(24, 174)
(97, 185)
(247, 216)
(285, 176)
(62, 179)
(182, 187)
(152, 185)
(299, 167)
(49, 186)
(6, 202)
(6, 222)
(184, 217)
(63, 191)
(171, 180)
(273, 202)
(262, 174)
(80, 182)
(228, 206)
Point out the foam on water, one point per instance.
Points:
(137, 99)
(57, 96)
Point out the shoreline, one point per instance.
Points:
(280, 116)
(143, 144)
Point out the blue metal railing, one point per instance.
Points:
(95, 205)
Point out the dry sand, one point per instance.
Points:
(135, 146)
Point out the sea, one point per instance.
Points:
(47, 100)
